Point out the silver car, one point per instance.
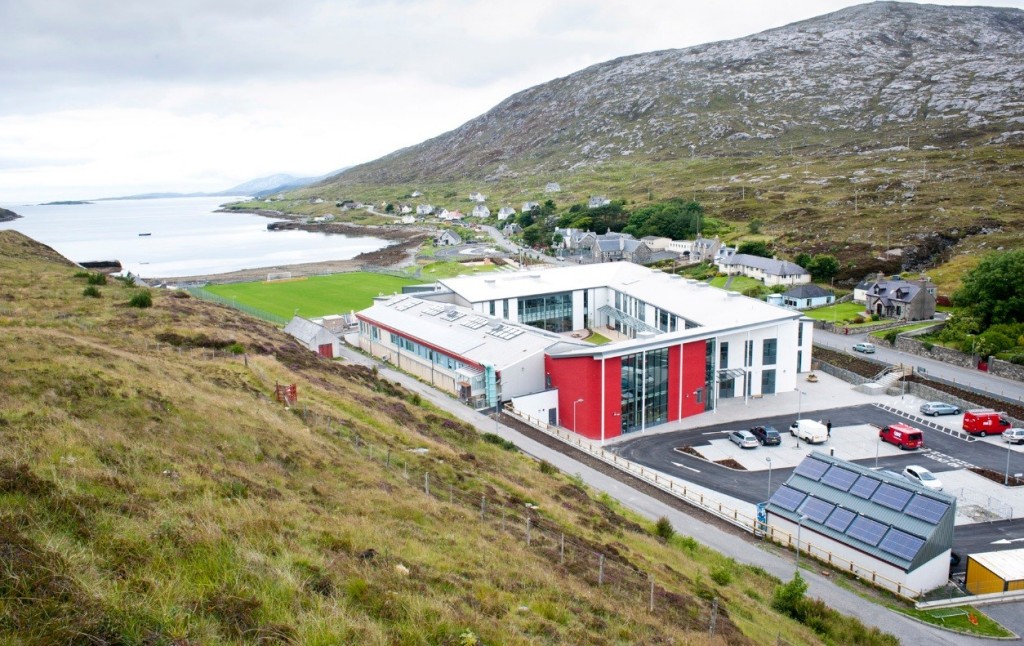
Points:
(1014, 435)
(939, 408)
(744, 439)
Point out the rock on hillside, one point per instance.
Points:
(865, 77)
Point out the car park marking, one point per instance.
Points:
(686, 467)
(948, 460)
(1007, 541)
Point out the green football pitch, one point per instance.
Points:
(313, 296)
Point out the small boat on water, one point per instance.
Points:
(145, 234)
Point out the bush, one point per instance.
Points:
(721, 576)
(876, 317)
(547, 468)
(890, 336)
(497, 440)
(141, 300)
(236, 348)
(91, 292)
(97, 278)
(663, 528)
(787, 597)
(928, 345)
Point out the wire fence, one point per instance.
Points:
(204, 295)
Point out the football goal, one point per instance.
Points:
(279, 275)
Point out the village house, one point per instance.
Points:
(511, 229)
(596, 201)
(506, 212)
(901, 299)
(314, 337)
(613, 247)
(476, 196)
(552, 187)
(529, 206)
(448, 238)
(481, 211)
(770, 271)
(806, 296)
(424, 209)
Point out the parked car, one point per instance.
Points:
(902, 435)
(985, 422)
(921, 476)
(766, 435)
(1014, 435)
(866, 348)
(939, 408)
(743, 439)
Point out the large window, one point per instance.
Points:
(768, 382)
(551, 312)
(723, 355)
(769, 350)
(644, 389)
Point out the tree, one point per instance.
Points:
(533, 234)
(754, 226)
(823, 267)
(993, 292)
(755, 248)
(804, 260)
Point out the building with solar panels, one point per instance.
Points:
(878, 526)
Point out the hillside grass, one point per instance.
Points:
(152, 491)
(314, 296)
(855, 204)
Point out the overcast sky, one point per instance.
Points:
(102, 98)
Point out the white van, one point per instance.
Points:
(809, 431)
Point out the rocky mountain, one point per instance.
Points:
(866, 77)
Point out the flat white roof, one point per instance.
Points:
(461, 331)
(1008, 565)
(698, 302)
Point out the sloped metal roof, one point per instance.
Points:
(880, 514)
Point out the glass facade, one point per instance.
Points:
(551, 312)
(709, 374)
(768, 382)
(644, 389)
(435, 357)
(769, 350)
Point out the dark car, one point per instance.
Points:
(766, 435)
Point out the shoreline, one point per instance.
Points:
(402, 253)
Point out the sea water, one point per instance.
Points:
(186, 236)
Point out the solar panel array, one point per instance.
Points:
(840, 519)
(475, 322)
(901, 544)
(864, 487)
(434, 310)
(454, 315)
(505, 332)
(816, 509)
(893, 497)
(811, 468)
(404, 304)
(867, 530)
(927, 509)
(787, 498)
(839, 478)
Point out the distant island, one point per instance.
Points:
(7, 216)
(65, 203)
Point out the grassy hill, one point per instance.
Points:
(152, 491)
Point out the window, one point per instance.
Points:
(768, 382)
(505, 309)
(493, 305)
(551, 312)
(768, 352)
(800, 334)
(748, 354)
(723, 355)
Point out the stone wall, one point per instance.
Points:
(1006, 369)
(939, 353)
(845, 375)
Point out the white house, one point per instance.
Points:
(511, 229)
(424, 209)
(448, 238)
(476, 196)
(506, 212)
(481, 211)
(408, 219)
(415, 194)
(656, 243)
(804, 297)
(768, 270)
(314, 337)
(529, 206)
(596, 201)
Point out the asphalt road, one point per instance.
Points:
(943, 453)
(969, 378)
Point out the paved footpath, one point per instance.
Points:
(742, 549)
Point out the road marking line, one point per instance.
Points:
(686, 467)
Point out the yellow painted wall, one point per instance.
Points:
(981, 580)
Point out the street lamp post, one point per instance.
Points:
(877, 445)
(1006, 477)
(769, 460)
(574, 414)
(799, 526)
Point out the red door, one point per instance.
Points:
(326, 350)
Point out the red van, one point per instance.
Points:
(985, 421)
(902, 435)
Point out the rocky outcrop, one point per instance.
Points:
(7, 216)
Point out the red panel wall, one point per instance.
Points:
(694, 358)
(580, 378)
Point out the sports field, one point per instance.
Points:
(313, 296)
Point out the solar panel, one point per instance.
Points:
(403, 304)
(839, 478)
(787, 498)
(475, 323)
(811, 468)
(867, 530)
(434, 310)
(927, 509)
(864, 487)
(892, 497)
(840, 519)
(816, 510)
(901, 544)
(454, 315)
(505, 332)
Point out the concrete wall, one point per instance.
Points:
(438, 377)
